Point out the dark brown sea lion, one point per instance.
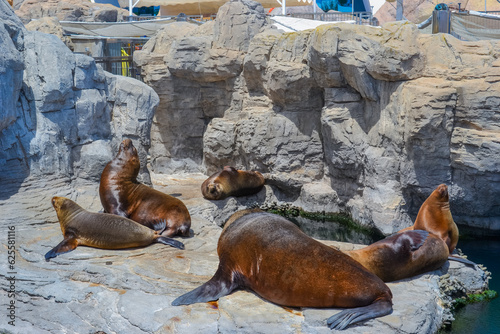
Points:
(232, 182)
(435, 217)
(268, 254)
(402, 255)
(102, 230)
(121, 194)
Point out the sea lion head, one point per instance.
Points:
(214, 190)
(442, 193)
(59, 203)
(64, 207)
(127, 155)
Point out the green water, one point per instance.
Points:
(483, 317)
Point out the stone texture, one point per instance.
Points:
(381, 116)
(64, 115)
(50, 25)
(69, 10)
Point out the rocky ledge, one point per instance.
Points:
(92, 290)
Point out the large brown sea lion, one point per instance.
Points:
(268, 254)
(435, 217)
(121, 194)
(232, 182)
(402, 255)
(101, 230)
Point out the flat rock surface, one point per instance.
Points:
(130, 291)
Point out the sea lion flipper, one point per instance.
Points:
(159, 226)
(462, 260)
(343, 319)
(218, 286)
(170, 242)
(417, 239)
(65, 246)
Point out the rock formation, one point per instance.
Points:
(50, 25)
(381, 116)
(69, 10)
(63, 115)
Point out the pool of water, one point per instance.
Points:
(484, 317)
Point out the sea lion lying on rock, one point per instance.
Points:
(232, 182)
(271, 256)
(102, 230)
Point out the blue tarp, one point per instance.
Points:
(342, 5)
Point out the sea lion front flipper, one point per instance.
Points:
(462, 260)
(170, 242)
(415, 238)
(67, 245)
(218, 286)
(159, 226)
(343, 319)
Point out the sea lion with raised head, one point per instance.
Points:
(435, 217)
(121, 194)
(232, 182)
(269, 255)
(102, 230)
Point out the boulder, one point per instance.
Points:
(69, 10)
(50, 25)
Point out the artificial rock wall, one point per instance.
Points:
(371, 118)
(62, 117)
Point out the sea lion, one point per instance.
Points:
(232, 182)
(269, 255)
(402, 255)
(102, 230)
(121, 194)
(435, 217)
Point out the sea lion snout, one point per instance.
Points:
(127, 146)
(443, 191)
(212, 188)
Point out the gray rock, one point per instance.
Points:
(50, 25)
(238, 22)
(11, 64)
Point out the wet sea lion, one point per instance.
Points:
(268, 254)
(102, 230)
(232, 182)
(435, 217)
(121, 194)
(402, 255)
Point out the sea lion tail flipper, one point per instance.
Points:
(218, 286)
(170, 242)
(462, 260)
(65, 246)
(346, 317)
